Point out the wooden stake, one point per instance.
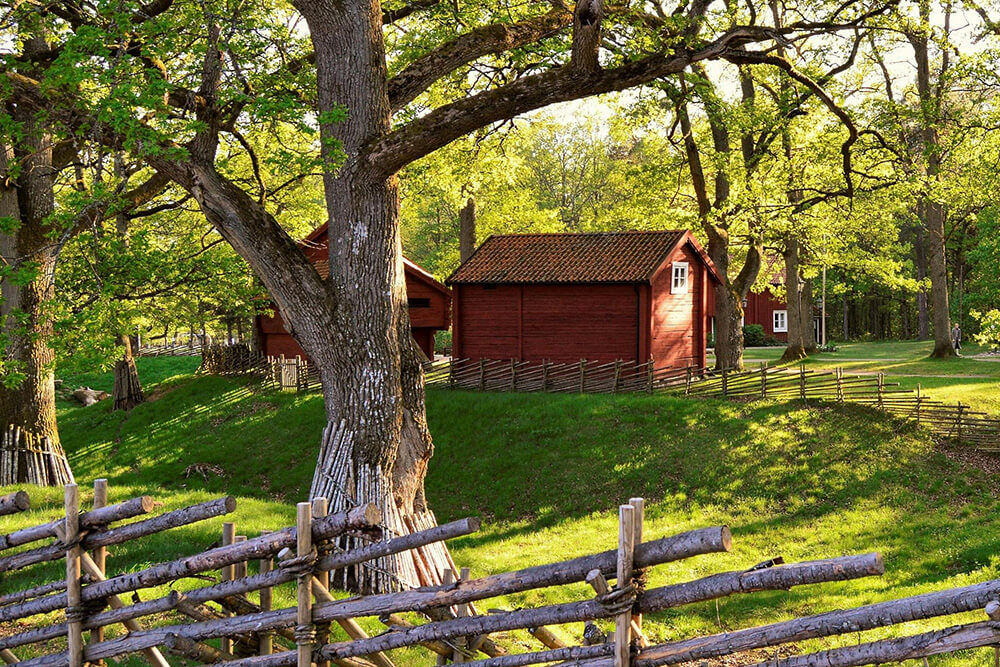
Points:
(303, 533)
(226, 574)
(8, 657)
(100, 553)
(239, 569)
(639, 507)
(321, 582)
(71, 532)
(763, 379)
(626, 546)
(265, 639)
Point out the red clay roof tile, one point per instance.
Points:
(600, 257)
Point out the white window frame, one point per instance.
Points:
(679, 273)
(783, 327)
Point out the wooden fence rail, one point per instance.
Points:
(253, 634)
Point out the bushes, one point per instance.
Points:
(753, 335)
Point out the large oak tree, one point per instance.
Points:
(383, 99)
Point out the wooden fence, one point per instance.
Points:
(441, 618)
(190, 349)
(957, 422)
(293, 373)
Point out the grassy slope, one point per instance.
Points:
(548, 471)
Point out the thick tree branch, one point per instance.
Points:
(451, 121)
(418, 76)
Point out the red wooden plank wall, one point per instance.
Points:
(678, 319)
(760, 310)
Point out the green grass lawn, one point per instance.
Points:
(973, 381)
(547, 473)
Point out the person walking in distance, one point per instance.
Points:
(956, 337)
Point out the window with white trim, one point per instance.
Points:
(679, 278)
(780, 321)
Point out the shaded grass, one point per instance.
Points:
(547, 471)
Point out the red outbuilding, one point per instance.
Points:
(429, 304)
(630, 296)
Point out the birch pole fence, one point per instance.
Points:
(452, 630)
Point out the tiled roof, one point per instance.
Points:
(603, 257)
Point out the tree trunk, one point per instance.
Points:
(933, 211)
(796, 348)
(29, 450)
(377, 443)
(127, 392)
(467, 230)
(728, 306)
(939, 281)
(806, 313)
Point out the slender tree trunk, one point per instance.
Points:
(920, 252)
(796, 348)
(467, 229)
(933, 211)
(30, 450)
(127, 392)
(728, 304)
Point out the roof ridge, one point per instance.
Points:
(606, 233)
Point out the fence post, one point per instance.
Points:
(545, 376)
(687, 381)
(320, 508)
(448, 578)
(626, 546)
(482, 375)
(840, 385)
(583, 376)
(639, 514)
(961, 409)
(919, 399)
(513, 374)
(71, 533)
(304, 631)
(802, 381)
(265, 637)
(239, 569)
(649, 375)
(881, 390)
(725, 382)
(228, 538)
(618, 372)
(100, 553)
(763, 379)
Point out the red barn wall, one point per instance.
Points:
(760, 310)
(678, 320)
(424, 321)
(560, 323)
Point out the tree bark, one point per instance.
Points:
(467, 230)
(932, 210)
(30, 450)
(377, 443)
(127, 392)
(796, 348)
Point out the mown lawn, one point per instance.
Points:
(547, 473)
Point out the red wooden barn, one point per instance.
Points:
(632, 296)
(429, 304)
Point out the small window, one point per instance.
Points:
(679, 278)
(419, 303)
(780, 321)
